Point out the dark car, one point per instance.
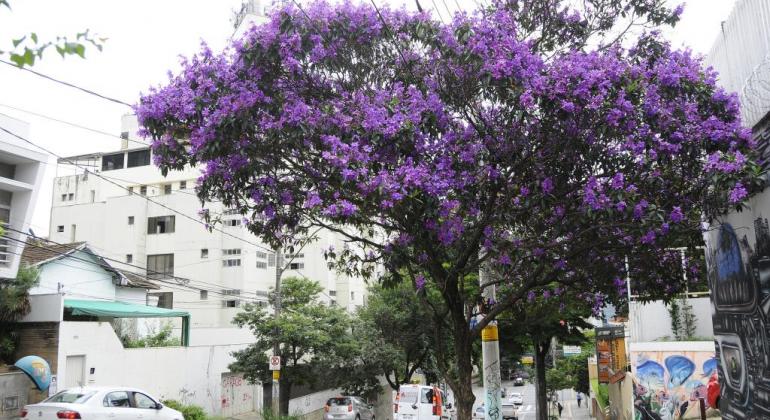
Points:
(518, 381)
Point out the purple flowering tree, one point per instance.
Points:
(516, 136)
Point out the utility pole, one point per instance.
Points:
(490, 351)
(275, 401)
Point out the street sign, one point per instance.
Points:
(527, 360)
(572, 350)
(275, 362)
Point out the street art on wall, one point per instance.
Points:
(738, 260)
(670, 385)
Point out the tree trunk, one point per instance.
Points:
(283, 403)
(541, 350)
(463, 390)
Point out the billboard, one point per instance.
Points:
(610, 351)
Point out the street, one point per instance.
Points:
(527, 410)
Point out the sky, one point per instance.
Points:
(145, 39)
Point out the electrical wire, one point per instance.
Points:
(44, 76)
(71, 124)
(98, 175)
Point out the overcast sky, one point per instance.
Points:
(145, 39)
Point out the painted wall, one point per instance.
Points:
(189, 374)
(669, 378)
(651, 321)
(738, 259)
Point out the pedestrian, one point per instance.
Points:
(560, 407)
(579, 398)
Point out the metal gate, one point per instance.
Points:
(239, 396)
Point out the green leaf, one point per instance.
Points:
(17, 59)
(61, 50)
(29, 57)
(16, 42)
(33, 36)
(80, 50)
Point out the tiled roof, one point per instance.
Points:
(38, 251)
(138, 281)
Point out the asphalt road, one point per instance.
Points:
(527, 410)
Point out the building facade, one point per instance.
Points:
(738, 245)
(144, 222)
(21, 172)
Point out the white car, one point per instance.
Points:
(479, 413)
(100, 403)
(516, 398)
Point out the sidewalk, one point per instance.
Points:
(571, 410)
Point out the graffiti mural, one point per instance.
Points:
(738, 260)
(669, 385)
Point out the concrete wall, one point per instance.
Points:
(14, 387)
(651, 321)
(76, 278)
(670, 377)
(188, 374)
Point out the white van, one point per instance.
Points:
(421, 402)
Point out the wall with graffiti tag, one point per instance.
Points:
(670, 378)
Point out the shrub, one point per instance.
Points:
(189, 412)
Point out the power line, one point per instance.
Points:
(71, 124)
(44, 76)
(170, 284)
(98, 175)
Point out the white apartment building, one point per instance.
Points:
(208, 273)
(21, 171)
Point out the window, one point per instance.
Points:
(231, 263)
(160, 266)
(204, 253)
(130, 220)
(93, 196)
(167, 189)
(143, 401)
(124, 135)
(332, 293)
(261, 255)
(296, 266)
(160, 224)
(261, 264)
(64, 197)
(204, 294)
(271, 260)
(117, 399)
(112, 162)
(72, 397)
(165, 299)
(70, 196)
(130, 190)
(352, 295)
(143, 190)
(129, 258)
(233, 222)
(182, 185)
(73, 233)
(231, 292)
(7, 170)
(231, 251)
(231, 212)
(138, 158)
(60, 228)
(295, 256)
(231, 303)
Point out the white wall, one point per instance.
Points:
(651, 321)
(190, 374)
(45, 308)
(75, 278)
(30, 167)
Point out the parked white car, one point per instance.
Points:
(100, 403)
(517, 398)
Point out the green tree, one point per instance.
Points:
(312, 338)
(395, 333)
(14, 304)
(29, 47)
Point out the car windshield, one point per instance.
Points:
(338, 401)
(72, 397)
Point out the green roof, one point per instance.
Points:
(105, 308)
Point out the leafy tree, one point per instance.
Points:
(515, 135)
(28, 48)
(395, 333)
(14, 304)
(309, 333)
(162, 338)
